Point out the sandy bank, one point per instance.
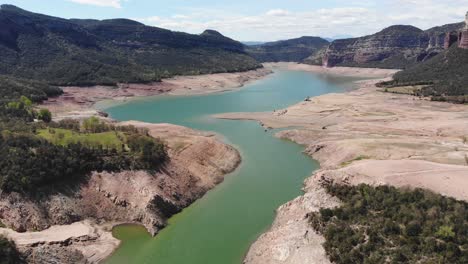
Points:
(77, 101)
(198, 162)
(363, 136)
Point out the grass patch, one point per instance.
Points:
(411, 89)
(361, 157)
(65, 137)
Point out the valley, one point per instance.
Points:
(122, 142)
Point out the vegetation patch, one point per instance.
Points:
(42, 158)
(65, 137)
(389, 225)
(361, 157)
(411, 89)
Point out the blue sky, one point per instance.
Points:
(262, 20)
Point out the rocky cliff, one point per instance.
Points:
(463, 35)
(394, 47)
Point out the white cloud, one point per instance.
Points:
(105, 3)
(351, 18)
(278, 12)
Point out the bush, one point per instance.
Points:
(8, 252)
(44, 115)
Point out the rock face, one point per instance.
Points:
(394, 47)
(450, 39)
(463, 35)
(292, 50)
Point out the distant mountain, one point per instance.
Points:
(338, 37)
(87, 51)
(397, 46)
(252, 43)
(295, 50)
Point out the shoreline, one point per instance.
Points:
(80, 102)
(361, 136)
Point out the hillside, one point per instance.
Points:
(86, 52)
(395, 47)
(295, 50)
(444, 75)
(13, 88)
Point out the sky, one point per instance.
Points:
(262, 20)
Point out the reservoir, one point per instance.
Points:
(220, 227)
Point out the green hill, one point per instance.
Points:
(86, 52)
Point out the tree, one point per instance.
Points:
(45, 115)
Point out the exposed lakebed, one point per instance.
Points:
(220, 227)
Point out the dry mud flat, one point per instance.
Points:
(363, 136)
(76, 227)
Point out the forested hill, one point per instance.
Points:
(444, 77)
(86, 52)
(295, 50)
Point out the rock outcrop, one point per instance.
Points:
(463, 35)
(450, 39)
(394, 47)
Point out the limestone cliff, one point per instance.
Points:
(394, 47)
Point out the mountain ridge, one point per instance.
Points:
(89, 52)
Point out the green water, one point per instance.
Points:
(220, 227)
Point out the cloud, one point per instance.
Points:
(278, 12)
(104, 3)
(351, 18)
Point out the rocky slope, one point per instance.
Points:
(292, 50)
(394, 47)
(87, 52)
(198, 161)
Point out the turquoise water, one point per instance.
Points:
(221, 226)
